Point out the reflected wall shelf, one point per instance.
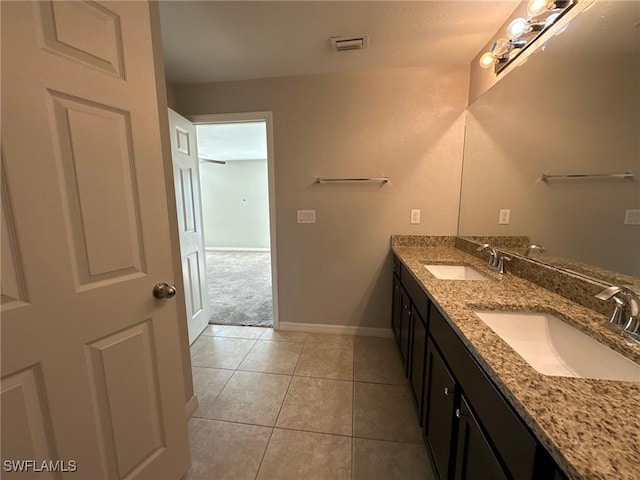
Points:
(546, 177)
(352, 180)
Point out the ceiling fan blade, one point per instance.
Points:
(211, 160)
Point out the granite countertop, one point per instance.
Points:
(590, 427)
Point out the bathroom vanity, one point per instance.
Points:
(485, 411)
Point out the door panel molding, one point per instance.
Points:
(13, 286)
(85, 32)
(126, 397)
(98, 181)
(26, 433)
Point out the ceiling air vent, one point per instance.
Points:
(353, 42)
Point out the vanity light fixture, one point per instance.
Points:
(521, 32)
(499, 53)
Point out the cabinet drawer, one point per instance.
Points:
(418, 297)
(438, 411)
(517, 446)
(474, 457)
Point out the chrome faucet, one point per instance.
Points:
(533, 247)
(625, 317)
(496, 260)
(493, 257)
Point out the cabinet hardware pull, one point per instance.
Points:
(446, 390)
(457, 413)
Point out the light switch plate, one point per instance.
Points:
(306, 216)
(632, 216)
(415, 216)
(504, 217)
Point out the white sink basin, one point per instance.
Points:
(455, 272)
(555, 348)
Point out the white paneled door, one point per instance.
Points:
(186, 177)
(91, 369)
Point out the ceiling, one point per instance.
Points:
(215, 41)
(233, 141)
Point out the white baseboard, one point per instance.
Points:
(336, 329)
(237, 249)
(192, 406)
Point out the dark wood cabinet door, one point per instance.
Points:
(396, 309)
(474, 457)
(418, 353)
(405, 329)
(440, 404)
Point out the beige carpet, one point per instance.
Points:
(240, 288)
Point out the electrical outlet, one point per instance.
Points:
(504, 217)
(415, 216)
(632, 216)
(306, 216)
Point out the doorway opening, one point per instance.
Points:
(236, 185)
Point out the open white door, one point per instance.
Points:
(91, 366)
(186, 177)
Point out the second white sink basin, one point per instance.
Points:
(555, 348)
(455, 272)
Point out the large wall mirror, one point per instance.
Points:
(573, 107)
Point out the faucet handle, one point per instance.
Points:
(609, 292)
(627, 301)
(493, 257)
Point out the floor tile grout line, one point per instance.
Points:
(288, 387)
(214, 368)
(264, 454)
(273, 373)
(323, 378)
(401, 442)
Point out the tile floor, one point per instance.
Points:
(290, 405)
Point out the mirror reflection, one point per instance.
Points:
(572, 108)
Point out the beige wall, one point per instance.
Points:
(171, 96)
(406, 124)
(235, 204)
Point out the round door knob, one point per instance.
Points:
(163, 290)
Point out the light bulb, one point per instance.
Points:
(536, 7)
(501, 46)
(517, 28)
(551, 18)
(487, 59)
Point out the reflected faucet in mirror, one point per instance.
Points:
(533, 247)
(626, 312)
